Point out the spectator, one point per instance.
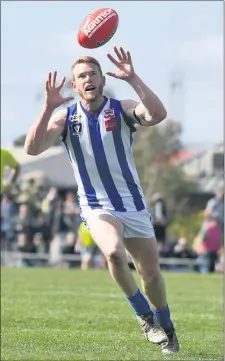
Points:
(49, 208)
(71, 212)
(59, 230)
(216, 206)
(86, 246)
(38, 222)
(39, 248)
(208, 242)
(69, 247)
(182, 249)
(23, 224)
(39, 230)
(8, 210)
(159, 218)
(25, 232)
(38, 242)
(8, 160)
(25, 247)
(29, 195)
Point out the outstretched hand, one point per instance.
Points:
(125, 69)
(52, 92)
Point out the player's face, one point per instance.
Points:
(88, 81)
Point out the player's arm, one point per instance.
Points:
(44, 133)
(150, 111)
(48, 126)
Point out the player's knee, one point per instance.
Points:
(151, 275)
(116, 257)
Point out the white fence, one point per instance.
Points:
(15, 259)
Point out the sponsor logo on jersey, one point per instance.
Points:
(76, 117)
(109, 119)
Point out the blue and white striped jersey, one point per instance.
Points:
(100, 149)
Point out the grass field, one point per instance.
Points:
(61, 314)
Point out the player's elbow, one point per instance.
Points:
(30, 150)
(161, 114)
(156, 118)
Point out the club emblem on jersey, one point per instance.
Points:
(109, 119)
(76, 128)
(75, 124)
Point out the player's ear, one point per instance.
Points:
(73, 84)
(103, 80)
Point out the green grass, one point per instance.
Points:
(61, 314)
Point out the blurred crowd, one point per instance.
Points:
(38, 218)
(47, 220)
(208, 246)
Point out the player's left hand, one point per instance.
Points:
(125, 69)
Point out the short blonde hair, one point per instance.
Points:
(87, 59)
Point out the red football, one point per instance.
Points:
(98, 28)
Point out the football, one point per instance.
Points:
(98, 28)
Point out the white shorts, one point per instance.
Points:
(136, 224)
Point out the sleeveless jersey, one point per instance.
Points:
(100, 149)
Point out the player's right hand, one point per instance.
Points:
(53, 98)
